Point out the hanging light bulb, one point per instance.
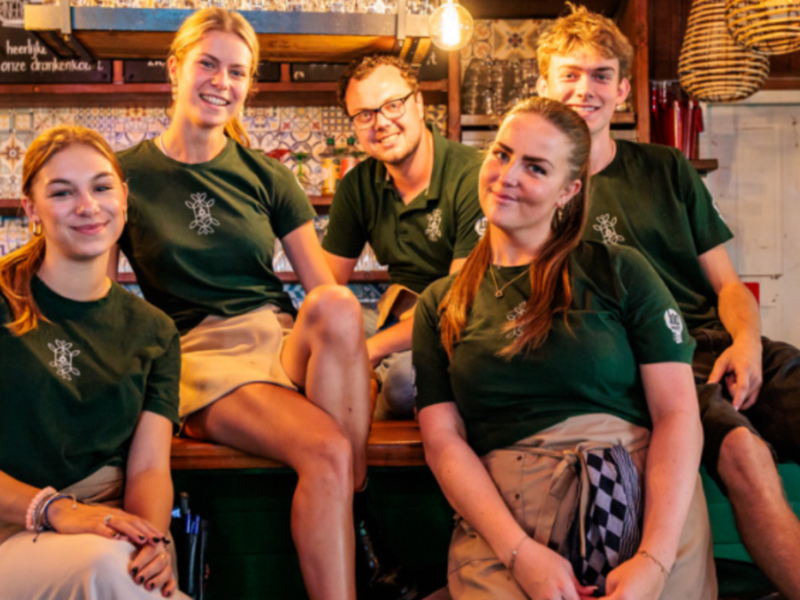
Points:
(450, 26)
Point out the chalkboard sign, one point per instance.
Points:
(434, 67)
(25, 59)
(155, 71)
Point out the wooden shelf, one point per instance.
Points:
(10, 208)
(620, 118)
(103, 33)
(282, 93)
(705, 165)
(356, 277)
(291, 277)
(13, 207)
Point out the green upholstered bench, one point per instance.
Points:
(738, 576)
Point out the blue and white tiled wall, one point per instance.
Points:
(298, 129)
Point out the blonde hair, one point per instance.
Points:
(584, 29)
(218, 19)
(18, 268)
(551, 292)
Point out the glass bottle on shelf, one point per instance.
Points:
(349, 159)
(330, 166)
(296, 5)
(340, 6)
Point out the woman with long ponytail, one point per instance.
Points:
(544, 358)
(257, 375)
(89, 394)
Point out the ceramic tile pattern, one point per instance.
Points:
(503, 40)
(300, 129)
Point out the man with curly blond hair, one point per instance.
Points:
(651, 198)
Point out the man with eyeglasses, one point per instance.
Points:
(415, 201)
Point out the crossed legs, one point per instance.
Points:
(322, 435)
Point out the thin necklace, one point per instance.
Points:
(498, 293)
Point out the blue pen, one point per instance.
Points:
(188, 521)
(196, 528)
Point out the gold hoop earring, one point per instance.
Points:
(559, 214)
(37, 228)
(125, 214)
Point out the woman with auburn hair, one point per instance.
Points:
(205, 211)
(544, 352)
(89, 396)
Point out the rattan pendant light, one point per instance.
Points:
(712, 66)
(769, 26)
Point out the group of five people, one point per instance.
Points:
(562, 298)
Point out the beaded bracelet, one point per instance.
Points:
(33, 507)
(658, 562)
(46, 526)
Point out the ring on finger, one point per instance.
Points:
(106, 520)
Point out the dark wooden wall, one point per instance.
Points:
(666, 24)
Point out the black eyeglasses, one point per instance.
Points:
(393, 109)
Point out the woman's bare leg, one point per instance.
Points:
(326, 355)
(277, 423)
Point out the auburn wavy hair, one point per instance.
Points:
(18, 268)
(551, 292)
(210, 19)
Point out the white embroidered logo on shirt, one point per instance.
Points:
(202, 213)
(434, 230)
(515, 314)
(63, 359)
(675, 324)
(481, 225)
(605, 225)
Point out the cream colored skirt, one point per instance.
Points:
(524, 477)
(224, 353)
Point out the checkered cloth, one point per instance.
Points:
(613, 518)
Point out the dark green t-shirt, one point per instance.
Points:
(651, 198)
(200, 237)
(622, 316)
(73, 388)
(417, 241)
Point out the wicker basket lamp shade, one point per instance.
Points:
(769, 26)
(712, 66)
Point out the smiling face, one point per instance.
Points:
(589, 84)
(390, 141)
(526, 175)
(212, 79)
(79, 200)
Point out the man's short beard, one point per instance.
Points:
(399, 161)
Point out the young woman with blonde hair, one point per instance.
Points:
(541, 349)
(205, 211)
(89, 393)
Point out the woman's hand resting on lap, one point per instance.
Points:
(152, 568)
(636, 579)
(545, 575)
(86, 518)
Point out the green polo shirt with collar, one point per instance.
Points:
(417, 241)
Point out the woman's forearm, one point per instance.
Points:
(149, 495)
(670, 478)
(472, 493)
(15, 497)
